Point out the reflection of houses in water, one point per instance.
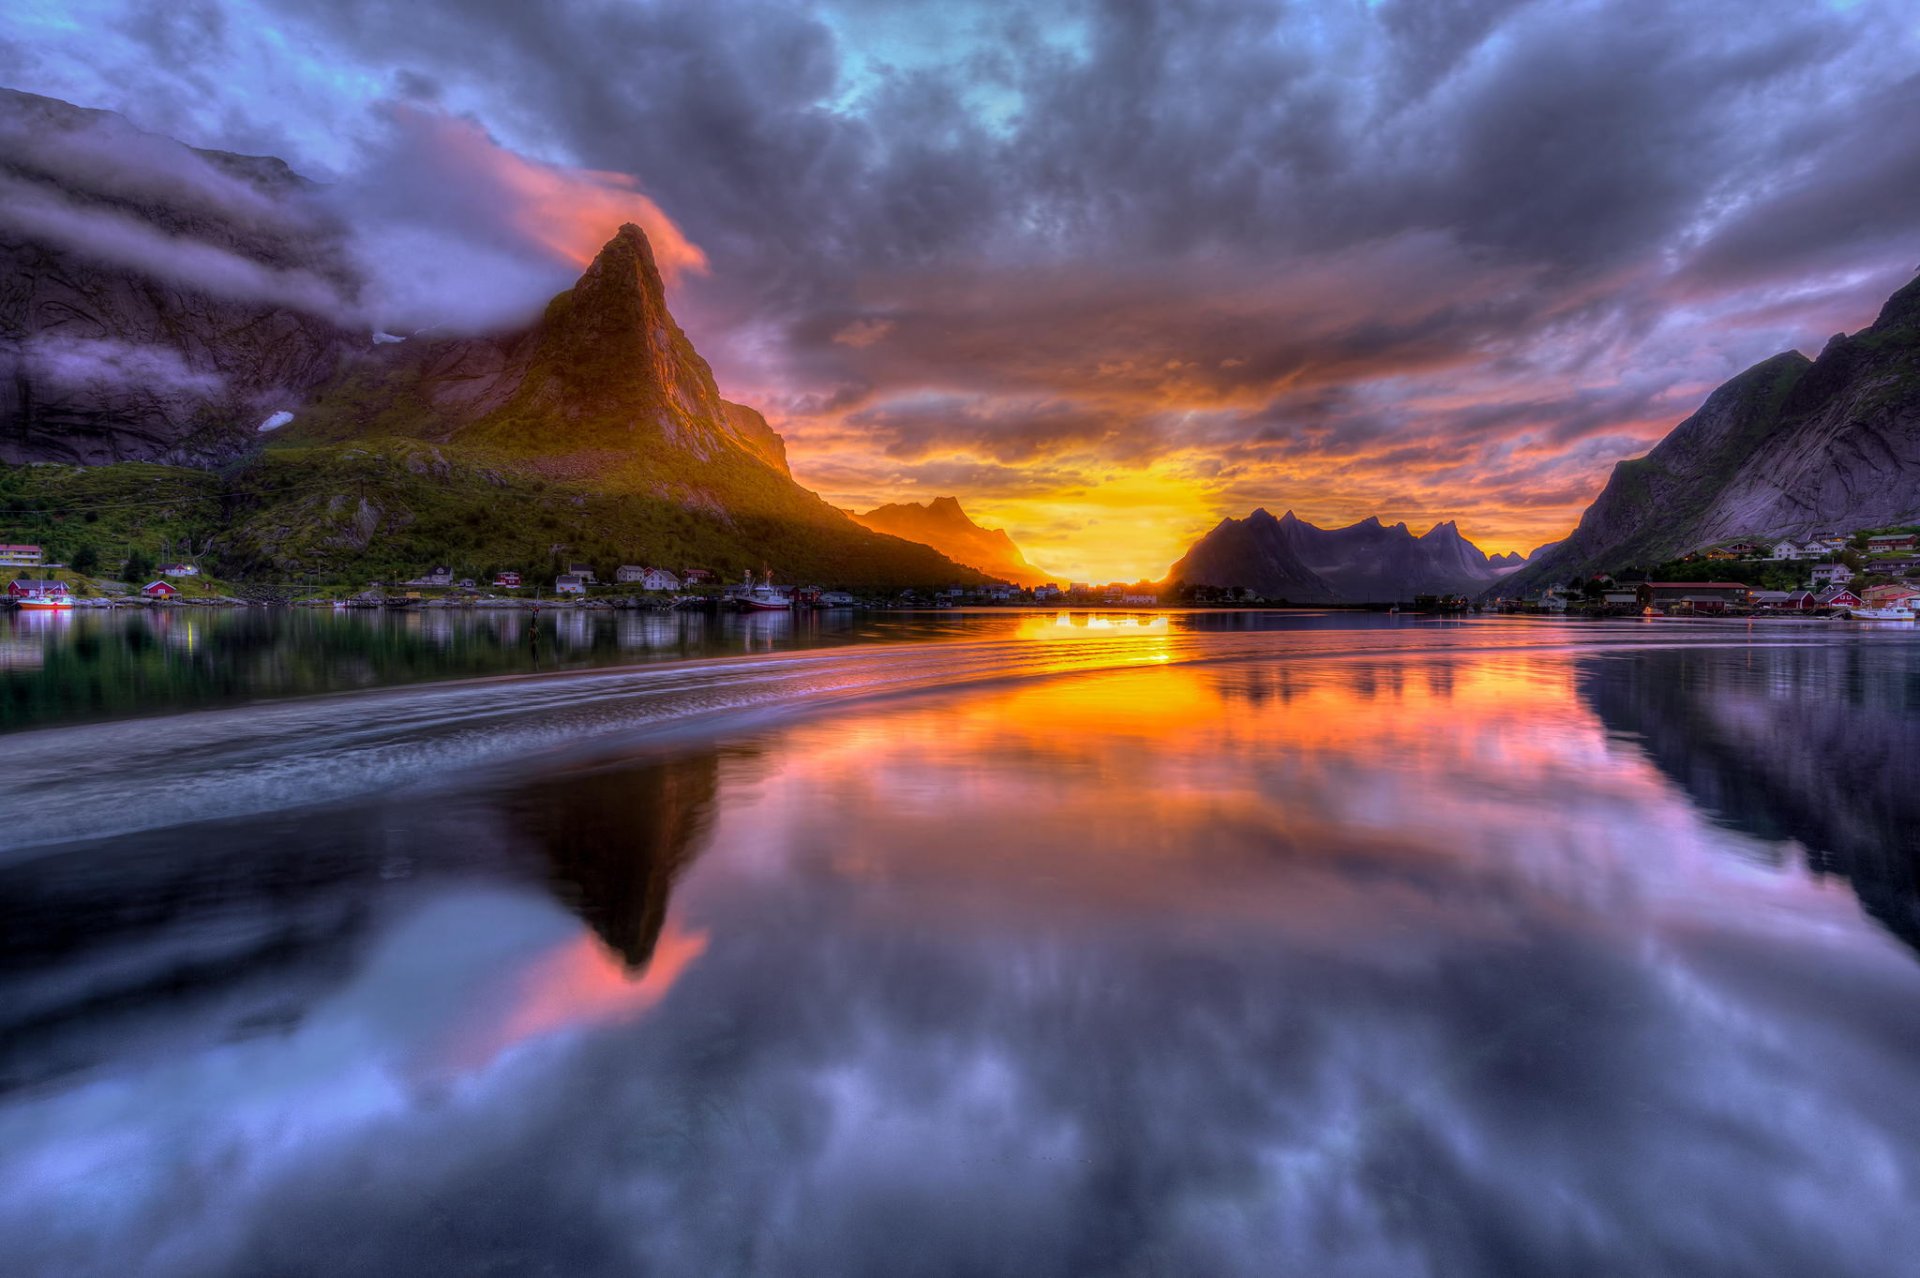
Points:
(437, 628)
(1816, 744)
(572, 628)
(648, 630)
(616, 842)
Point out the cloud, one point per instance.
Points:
(454, 230)
(102, 363)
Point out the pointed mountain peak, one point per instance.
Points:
(1261, 515)
(1450, 528)
(947, 506)
(626, 259)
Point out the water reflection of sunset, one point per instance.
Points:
(576, 984)
(1176, 784)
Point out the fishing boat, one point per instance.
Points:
(41, 596)
(1882, 614)
(761, 596)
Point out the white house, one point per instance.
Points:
(648, 578)
(441, 576)
(584, 572)
(1831, 574)
(569, 583)
(1794, 550)
(179, 570)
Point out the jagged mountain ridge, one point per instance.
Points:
(943, 525)
(1367, 562)
(1791, 447)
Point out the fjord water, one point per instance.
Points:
(1126, 944)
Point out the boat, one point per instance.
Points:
(1881, 614)
(762, 596)
(43, 596)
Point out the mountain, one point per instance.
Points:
(192, 308)
(156, 301)
(941, 524)
(1368, 562)
(1790, 448)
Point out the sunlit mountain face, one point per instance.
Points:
(1106, 273)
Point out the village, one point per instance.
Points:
(36, 584)
(1865, 575)
(1873, 575)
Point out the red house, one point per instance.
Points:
(507, 580)
(158, 590)
(29, 588)
(1836, 597)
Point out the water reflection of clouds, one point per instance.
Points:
(1326, 967)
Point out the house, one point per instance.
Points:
(658, 579)
(696, 577)
(1619, 598)
(21, 556)
(1830, 542)
(1043, 593)
(628, 573)
(507, 580)
(1693, 596)
(1794, 550)
(569, 583)
(32, 588)
(1801, 601)
(584, 572)
(1836, 597)
(1138, 599)
(1892, 596)
(1887, 543)
(159, 590)
(179, 570)
(1773, 599)
(1738, 550)
(441, 576)
(1831, 574)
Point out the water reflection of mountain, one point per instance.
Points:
(142, 947)
(1819, 744)
(615, 842)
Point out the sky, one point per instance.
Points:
(1107, 272)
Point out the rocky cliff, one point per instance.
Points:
(943, 525)
(156, 301)
(1368, 562)
(1790, 448)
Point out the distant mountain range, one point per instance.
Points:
(1790, 448)
(1368, 562)
(195, 309)
(942, 524)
